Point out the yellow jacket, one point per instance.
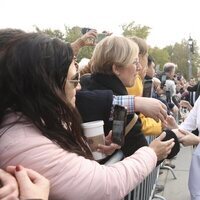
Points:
(149, 125)
(137, 89)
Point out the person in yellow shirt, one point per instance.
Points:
(149, 125)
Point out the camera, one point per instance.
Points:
(99, 37)
(119, 124)
(85, 30)
(168, 96)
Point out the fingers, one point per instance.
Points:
(11, 169)
(92, 32)
(9, 186)
(161, 136)
(8, 192)
(183, 131)
(25, 172)
(108, 138)
(22, 176)
(168, 145)
(181, 140)
(163, 113)
(169, 149)
(164, 124)
(168, 142)
(108, 150)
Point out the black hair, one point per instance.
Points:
(8, 34)
(33, 70)
(150, 60)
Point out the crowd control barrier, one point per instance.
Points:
(146, 189)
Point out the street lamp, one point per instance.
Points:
(191, 50)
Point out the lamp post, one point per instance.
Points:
(190, 47)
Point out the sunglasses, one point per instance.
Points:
(75, 80)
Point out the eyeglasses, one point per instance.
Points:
(75, 80)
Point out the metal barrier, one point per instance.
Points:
(146, 189)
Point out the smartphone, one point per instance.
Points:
(163, 80)
(168, 96)
(119, 124)
(176, 100)
(85, 30)
(147, 88)
(100, 36)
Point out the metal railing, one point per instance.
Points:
(146, 189)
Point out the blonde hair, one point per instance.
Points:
(112, 50)
(143, 47)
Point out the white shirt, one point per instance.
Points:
(191, 123)
(170, 86)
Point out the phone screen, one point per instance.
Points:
(168, 96)
(176, 100)
(85, 30)
(119, 123)
(147, 89)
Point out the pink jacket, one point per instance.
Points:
(71, 176)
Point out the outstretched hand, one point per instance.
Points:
(162, 148)
(189, 138)
(151, 107)
(89, 38)
(170, 123)
(109, 147)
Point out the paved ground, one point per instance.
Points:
(177, 189)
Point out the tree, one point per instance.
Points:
(161, 56)
(180, 55)
(51, 33)
(133, 29)
(70, 35)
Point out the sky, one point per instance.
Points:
(170, 20)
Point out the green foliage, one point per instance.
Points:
(70, 35)
(177, 53)
(51, 33)
(161, 56)
(133, 29)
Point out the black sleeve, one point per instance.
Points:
(94, 105)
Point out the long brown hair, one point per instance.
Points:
(33, 69)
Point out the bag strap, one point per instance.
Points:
(131, 124)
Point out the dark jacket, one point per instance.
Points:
(94, 105)
(135, 138)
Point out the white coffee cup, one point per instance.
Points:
(94, 133)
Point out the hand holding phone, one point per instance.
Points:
(119, 124)
(85, 30)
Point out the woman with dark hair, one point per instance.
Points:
(41, 129)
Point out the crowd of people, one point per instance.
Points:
(44, 153)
